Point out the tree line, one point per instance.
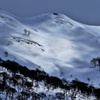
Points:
(39, 76)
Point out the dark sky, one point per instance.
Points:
(85, 11)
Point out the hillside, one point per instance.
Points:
(17, 82)
(51, 42)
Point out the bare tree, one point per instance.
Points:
(96, 61)
(28, 33)
(25, 31)
(6, 53)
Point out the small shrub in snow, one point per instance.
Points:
(55, 13)
(6, 53)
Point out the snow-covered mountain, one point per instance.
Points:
(51, 42)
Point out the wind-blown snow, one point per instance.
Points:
(57, 44)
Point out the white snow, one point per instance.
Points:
(60, 46)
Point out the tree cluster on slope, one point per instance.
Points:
(16, 82)
(26, 32)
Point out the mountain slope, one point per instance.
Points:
(53, 43)
(20, 83)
